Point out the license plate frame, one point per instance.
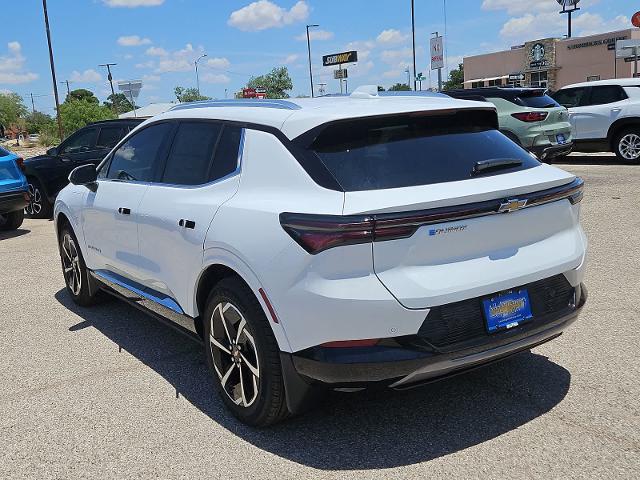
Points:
(507, 310)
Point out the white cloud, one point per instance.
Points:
(151, 78)
(149, 64)
(264, 14)
(132, 3)
(591, 24)
(391, 37)
(133, 41)
(215, 78)
(221, 63)
(315, 35)
(289, 59)
(179, 60)
(156, 52)
(88, 76)
(519, 7)
(12, 66)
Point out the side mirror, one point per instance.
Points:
(83, 175)
(53, 152)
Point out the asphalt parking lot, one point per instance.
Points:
(109, 393)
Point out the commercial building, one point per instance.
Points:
(552, 62)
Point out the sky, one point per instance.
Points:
(157, 41)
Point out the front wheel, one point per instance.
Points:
(243, 354)
(11, 220)
(76, 275)
(627, 146)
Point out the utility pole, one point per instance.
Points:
(67, 83)
(197, 77)
(33, 105)
(53, 69)
(413, 33)
(309, 51)
(109, 76)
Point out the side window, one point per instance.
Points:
(109, 136)
(190, 159)
(226, 159)
(79, 142)
(604, 94)
(570, 97)
(139, 157)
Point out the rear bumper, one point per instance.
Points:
(552, 151)
(412, 367)
(13, 201)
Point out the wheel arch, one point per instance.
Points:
(619, 125)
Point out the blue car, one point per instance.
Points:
(14, 191)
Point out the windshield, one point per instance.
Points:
(416, 149)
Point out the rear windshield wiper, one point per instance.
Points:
(495, 164)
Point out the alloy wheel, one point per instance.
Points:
(71, 264)
(630, 146)
(35, 201)
(235, 355)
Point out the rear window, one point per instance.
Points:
(537, 101)
(3, 152)
(416, 149)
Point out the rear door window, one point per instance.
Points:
(415, 149)
(227, 153)
(601, 95)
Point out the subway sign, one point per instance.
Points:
(339, 58)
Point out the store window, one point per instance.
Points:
(495, 83)
(539, 79)
(477, 84)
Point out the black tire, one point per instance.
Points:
(626, 145)
(266, 404)
(39, 205)
(80, 288)
(11, 220)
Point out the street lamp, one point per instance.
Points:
(309, 50)
(197, 78)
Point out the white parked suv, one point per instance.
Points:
(604, 116)
(332, 243)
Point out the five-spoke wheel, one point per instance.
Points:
(71, 264)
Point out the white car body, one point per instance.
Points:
(370, 290)
(606, 109)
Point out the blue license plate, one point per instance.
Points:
(507, 310)
(561, 138)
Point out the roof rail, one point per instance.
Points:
(240, 102)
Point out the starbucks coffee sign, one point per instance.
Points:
(537, 56)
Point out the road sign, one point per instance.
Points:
(516, 77)
(437, 53)
(340, 73)
(131, 88)
(420, 77)
(635, 20)
(339, 58)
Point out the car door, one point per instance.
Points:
(573, 99)
(600, 109)
(111, 213)
(74, 151)
(200, 174)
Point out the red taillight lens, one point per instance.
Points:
(530, 116)
(352, 343)
(20, 163)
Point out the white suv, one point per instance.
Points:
(604, 116)
(331, 243)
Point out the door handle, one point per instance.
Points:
(124, 211)
(187, 223)
(616, 110)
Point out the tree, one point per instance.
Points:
(400, 87)
(118, 102)
(78, 113)
(82, 94)
(188, 95)
(12, 109)
(38, 122)
(456, 78)
(277, 82)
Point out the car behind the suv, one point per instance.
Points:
(528, 116)
(49, 173)
(605, 116)
(331, 243)
(13, 191)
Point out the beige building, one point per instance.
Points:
(552, 62)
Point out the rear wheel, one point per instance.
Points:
(39, 205)
(76, 275)
(11, 220)
(243, 354)
(627, 145)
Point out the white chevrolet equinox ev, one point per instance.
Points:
(336, 243)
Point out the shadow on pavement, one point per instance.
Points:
(13, 233)
(350, 431)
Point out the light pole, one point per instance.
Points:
(408, 72)
(53, 69)
(198, 78)
(309, 51)
(413, 33)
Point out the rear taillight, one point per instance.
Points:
(20, 163)
(530, 116)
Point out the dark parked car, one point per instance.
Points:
(48, 174)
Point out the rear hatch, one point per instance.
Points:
(552, 118)
(434, 184)
(11, 177)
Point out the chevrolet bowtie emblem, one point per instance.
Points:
(512, 205)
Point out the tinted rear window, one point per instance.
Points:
(416, 149)
(537, 101)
